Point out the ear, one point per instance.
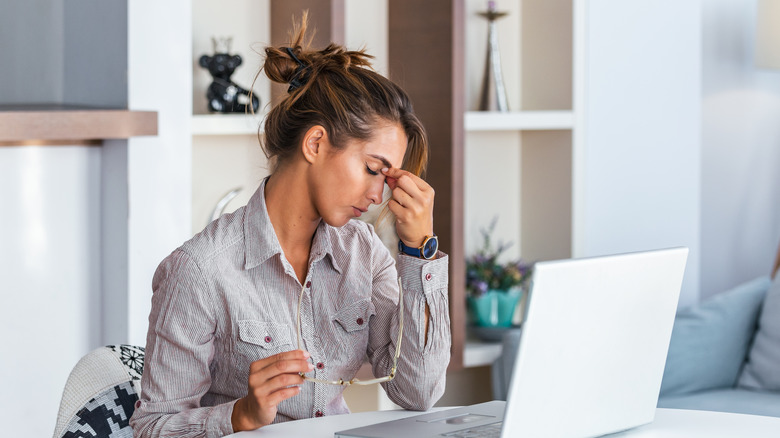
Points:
(205, 60)
(236, 60)
(314, 143)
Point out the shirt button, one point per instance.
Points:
(138, 404)
(268, 339)
(320, 365)
(428, 276)
(318, 414)
(308, 284)
(360, 321)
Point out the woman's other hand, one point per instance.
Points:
(271, 380)
(412, 205)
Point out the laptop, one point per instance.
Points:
(591, 356)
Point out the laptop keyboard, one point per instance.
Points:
(486, 431)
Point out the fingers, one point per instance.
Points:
(397, 209)
(402, 197)
(411, 185)
(283, 394)
(278, 371)
(287, 355)
(271, 380)
(395, 174)
(412, 205)
(282, 367)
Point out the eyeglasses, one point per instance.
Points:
(358, 381)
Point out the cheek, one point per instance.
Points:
(344, 183)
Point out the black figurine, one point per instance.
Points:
(225, 96)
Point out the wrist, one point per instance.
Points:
(425, 249)
(240, 418)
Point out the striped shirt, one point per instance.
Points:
(229, 297)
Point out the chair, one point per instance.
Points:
(101, 394)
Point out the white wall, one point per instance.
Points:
(740, 226)
(83, 228)
(50, 271)
(641, 181)
(160, 167)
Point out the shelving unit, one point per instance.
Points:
(227, 124)
(527, 154)
(518, 121)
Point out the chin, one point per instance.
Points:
(337, 221)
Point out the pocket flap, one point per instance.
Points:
(264, 334)
(355, 316)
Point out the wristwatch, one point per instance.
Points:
(426, 251)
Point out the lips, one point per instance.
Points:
(358, 211)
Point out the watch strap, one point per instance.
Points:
(419, 252)
(408, 250)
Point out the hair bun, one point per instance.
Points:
(298, 64)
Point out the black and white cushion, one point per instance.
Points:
(101, 392)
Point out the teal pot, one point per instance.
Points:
(495, 308)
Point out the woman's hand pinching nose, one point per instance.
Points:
(412, 205)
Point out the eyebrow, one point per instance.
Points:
(382, 159)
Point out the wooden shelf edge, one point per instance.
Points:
(518, 120)
(28, 126)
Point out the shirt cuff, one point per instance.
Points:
(219, 423)
(424, 275)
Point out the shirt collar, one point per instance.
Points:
(261, 241)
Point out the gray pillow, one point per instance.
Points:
(762, 370)
(710, 340)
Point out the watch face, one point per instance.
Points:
(430, 247)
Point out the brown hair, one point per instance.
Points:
(337, 89)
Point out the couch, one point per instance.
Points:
(724, 353)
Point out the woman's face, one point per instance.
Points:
(347, 180)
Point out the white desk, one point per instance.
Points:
(669, 423)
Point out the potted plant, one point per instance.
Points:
(493, 289)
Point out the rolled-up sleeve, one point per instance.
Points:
(179, 351)
(422, 366)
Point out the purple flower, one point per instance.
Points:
(483, 271)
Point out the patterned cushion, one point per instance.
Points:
(106, 415)
(100, 395)
(132, 358)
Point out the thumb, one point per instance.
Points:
(391, 177)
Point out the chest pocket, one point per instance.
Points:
(355, 316)
(258, 340)
(267, 335)
(351, 323)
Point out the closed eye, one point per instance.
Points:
(371, 172)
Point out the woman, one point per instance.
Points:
(229, 306)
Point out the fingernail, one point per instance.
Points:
(306, 354)
(385, 169)
(311, 366)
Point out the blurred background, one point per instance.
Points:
(630, 127)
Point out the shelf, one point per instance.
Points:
(226, 124)
(50, 124)
(478, 353)
(518, 120)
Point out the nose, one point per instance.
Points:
(375, 191)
